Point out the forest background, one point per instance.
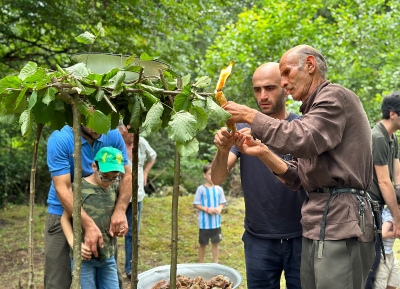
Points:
(360, 40)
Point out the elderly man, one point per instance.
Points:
(272, 237)
(331, 146)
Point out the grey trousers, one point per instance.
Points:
(345, 264)
(57, 264)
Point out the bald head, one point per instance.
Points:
(268, 93)
(269, 69)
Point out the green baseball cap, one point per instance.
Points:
(110, 160)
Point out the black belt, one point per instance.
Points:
(336, 191)
(333, 191)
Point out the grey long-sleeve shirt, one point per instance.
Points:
(332, 147)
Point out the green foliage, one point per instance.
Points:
(15, 165)
(146, 102)
(359, 39)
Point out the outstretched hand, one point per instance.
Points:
(247, 145)
(224, 139)
(240, 113)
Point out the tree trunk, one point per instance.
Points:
(77, 186)
(135, 188)
(174, 234)
(31, 284)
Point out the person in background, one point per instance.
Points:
(99, 194)
(146, 159)
(385, 151)
(60, 159)
(332, 159)
(272, 237)
(387, 274)
(209, 200)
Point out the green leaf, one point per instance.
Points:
(185, 80)
(135, 109)
(27, 70)
(32, 99)
(153, 118)
(145, 56)
(148, 100)
(39, 76)
(7, 118)
(21, 96)
(44, 113)
(58, 104)
(49, 96)
(96, 79)
(133, 68)
(202, 82)
(150, 89)
(99, 95)
(182, 127)
(25, 121)
(189, 148)
(86, 38)
(9, 82)
(9, 101)
(98, 122)
(83, 108)
(62, 71)
(201, 117)
(218, 112)
(182, 100)
(100, 28)
(129, 60)
(110, 74)
(78, 70)
(118, 83)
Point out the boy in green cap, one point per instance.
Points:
(99, 194)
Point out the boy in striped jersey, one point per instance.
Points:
(209, 200)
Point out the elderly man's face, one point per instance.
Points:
(295, 79)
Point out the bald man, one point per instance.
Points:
(272, 237)
(331, 147)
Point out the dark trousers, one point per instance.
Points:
(372, 274)
(57, 263)
(266, 259)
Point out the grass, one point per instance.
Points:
(154, 240)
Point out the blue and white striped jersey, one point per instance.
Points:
(211, 198)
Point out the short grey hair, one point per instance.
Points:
(305, 51)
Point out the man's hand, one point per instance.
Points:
(240, 113)
(93, 237)
(396, 227)
(247, 145)
(224, 139)
(119, 224)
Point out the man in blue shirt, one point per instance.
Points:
(60, 151)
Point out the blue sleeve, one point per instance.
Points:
(59, 154)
